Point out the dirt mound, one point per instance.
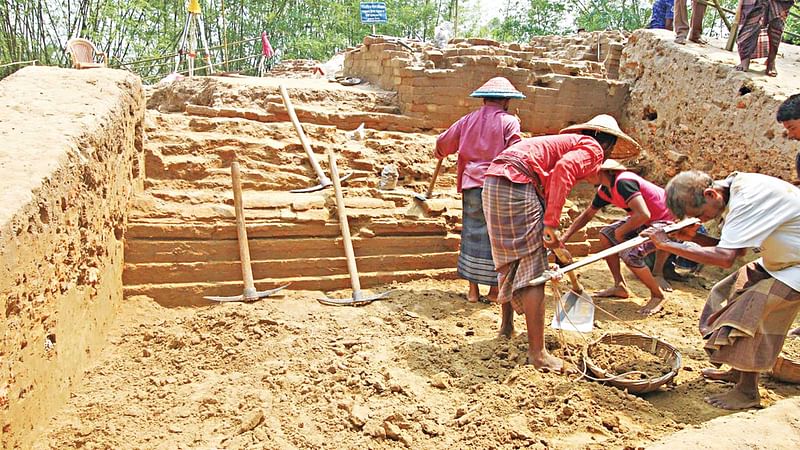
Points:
(422, 369)
(623, 359)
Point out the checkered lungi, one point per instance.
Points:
(514, 214)
(475, 262)
(634, 257)
(746, 318)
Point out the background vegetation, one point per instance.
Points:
(134, 30)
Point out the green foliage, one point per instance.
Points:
(522, 20)
(793, 28)
(135, 32)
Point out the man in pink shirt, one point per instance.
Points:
(525, 190)
(647, 207)
(478, 137)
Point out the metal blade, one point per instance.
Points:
(351, 301)
(321, 186)
(241, 298)
(235, 298)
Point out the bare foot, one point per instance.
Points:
(743, 66)
(680, 40)
(771, 72)
(506, 330)
(735, 399)
(549, 363)
(698, 40)
(653, 306)
(663, 283)
(474, 293)
(492, 295)
(618, 291)
(731, 376)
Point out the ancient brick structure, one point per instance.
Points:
(563, 79)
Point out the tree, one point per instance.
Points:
(522, 20)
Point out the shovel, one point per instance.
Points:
(250, 293)
(575, 310)
(324, 181)
(358, 299)
(416, 209)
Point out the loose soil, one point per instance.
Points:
(624, 359)
(422, 369)
(791, 348)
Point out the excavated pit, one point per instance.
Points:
(422, 369)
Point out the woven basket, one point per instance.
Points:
(654, 346)
(786, 370)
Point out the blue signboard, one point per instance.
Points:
(373, 12)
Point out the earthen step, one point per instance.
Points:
(196, 272)
(191, 294)
(169, 229)
(169, 251)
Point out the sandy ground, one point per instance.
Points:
(422, 369)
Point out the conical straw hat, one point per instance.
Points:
(497, 87)
(613, 164)
(625, 147)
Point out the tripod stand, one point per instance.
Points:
(194, 26)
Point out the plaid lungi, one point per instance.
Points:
(475, 262)
(746, 318)
(514, 214)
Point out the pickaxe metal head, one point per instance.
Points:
(326, 182)
(357, 300)
(251, 296)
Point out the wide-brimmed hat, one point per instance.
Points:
(626, 146)
(497, 87)
(613, 164)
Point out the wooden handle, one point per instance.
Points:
(241, 232)
(433, 179)
(614, 250)
(348, 243)
(324, 180)
(565, 258)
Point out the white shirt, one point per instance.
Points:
(763, 212)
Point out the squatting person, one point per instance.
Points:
(647, 207)
(747, 314)
(525, 190)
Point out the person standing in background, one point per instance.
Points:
(682, 22)
(477, 138)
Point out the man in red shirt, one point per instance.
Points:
(525, 190)
(478, 137)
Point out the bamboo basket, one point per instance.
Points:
(661, 349)
(786, 370)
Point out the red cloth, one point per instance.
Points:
(266, 48)
(559, 161)
(478, 138)
(655, 198)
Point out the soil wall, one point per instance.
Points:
(565, 80)
(70, 159)
(690, 109)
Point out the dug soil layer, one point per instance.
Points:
(422, 369)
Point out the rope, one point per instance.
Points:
(583, 373)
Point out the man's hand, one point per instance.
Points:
(550, 237)
(659, 238)
(688, 233)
